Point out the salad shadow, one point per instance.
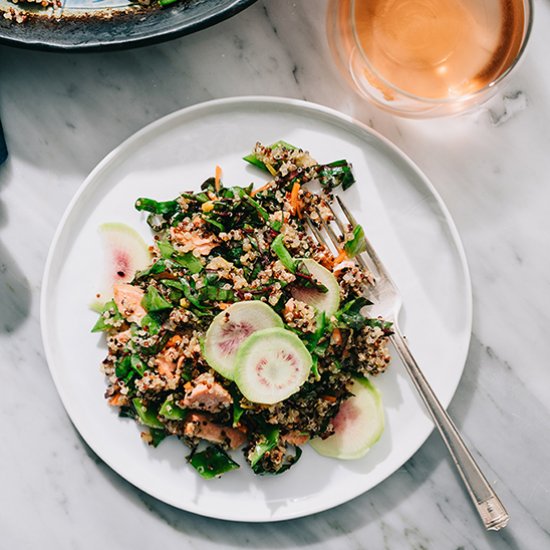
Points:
(15, 292)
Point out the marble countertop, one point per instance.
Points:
(63, 112)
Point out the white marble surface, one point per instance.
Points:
(62, 113)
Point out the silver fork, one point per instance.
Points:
(387, 303)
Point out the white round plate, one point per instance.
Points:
(402, 215)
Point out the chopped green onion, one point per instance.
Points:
(315, 367)
(283, 254)
(166, 208)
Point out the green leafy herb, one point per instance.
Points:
(108, 315)
(237, 413)
(158, 267)
(157, 436)
(166, 249)
(171, 411)
(153, 301)
(335, 174)
(290, 460)
(185, 287)
(253, 159)
(350, 316)
(212, 462)
(386, 326)
(137, 364)
(357, 243)
(151, 323)
(215, 294)
(124, 370)
(147, 413)
(268, 440)
(129, 366)
(262, 212)
(187, 260)
(208, 218)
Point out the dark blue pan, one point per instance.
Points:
(101, 29)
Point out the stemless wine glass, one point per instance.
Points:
(428, 58)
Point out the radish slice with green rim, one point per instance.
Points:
(358, 424)
(231, 328)
(125, 254)
(271, 365)
(329, 301)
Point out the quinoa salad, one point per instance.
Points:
(240, 330)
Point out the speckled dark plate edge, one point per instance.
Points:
(127, 43)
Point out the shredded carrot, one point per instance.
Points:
(217, 179)
(262, 188)
(295, 201)
(175, 340)
(116, 400)
(337, 336)
(329, 398)
(224, 305)
(326, 260)
(341, 257)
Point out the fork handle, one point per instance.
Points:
(491, 510)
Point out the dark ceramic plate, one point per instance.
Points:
(85, 25)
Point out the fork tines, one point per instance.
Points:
(337, 240)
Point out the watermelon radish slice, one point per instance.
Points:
(125, 253)
(271, 365)
(231, 328)
(329, 301)
(358, 424)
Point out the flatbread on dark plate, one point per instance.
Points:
(87, 25)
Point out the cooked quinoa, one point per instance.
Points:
(215, 248)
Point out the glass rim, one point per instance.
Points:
(450, 100)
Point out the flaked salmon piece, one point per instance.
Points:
(191, 241)
(166, 362)
(128, 300)
(123, 337)
(295, 438)
(206, 394)
(199, 426)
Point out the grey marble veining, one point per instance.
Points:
(62, 113)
